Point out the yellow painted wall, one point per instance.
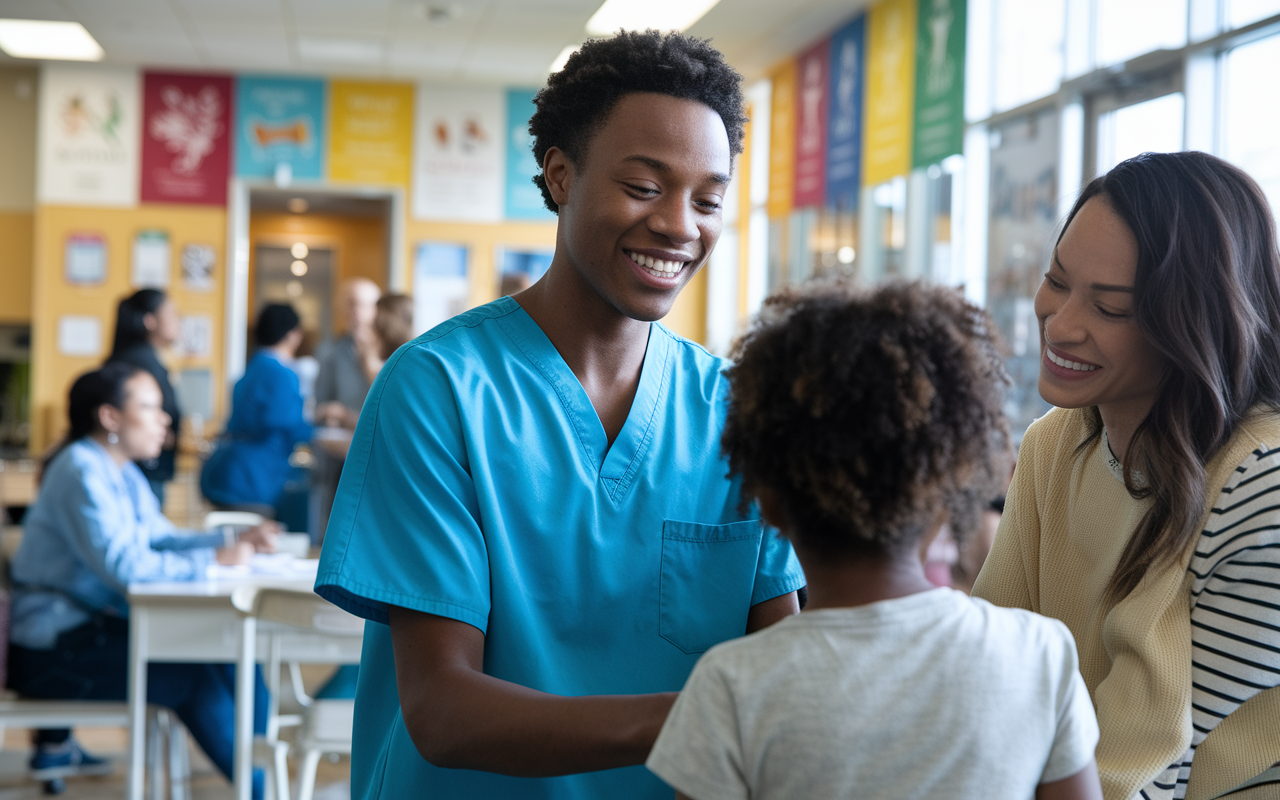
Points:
(53, 372)
(16, 234)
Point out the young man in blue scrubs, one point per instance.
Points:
(534, 514)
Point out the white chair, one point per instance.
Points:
(325, 725)
(162, 728)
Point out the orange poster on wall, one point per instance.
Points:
(782, 139)
(371, 132)
(890, 90)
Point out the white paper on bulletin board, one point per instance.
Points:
(459, 154)
(151, 259)
(197, 335)
(85, 259)
(88, 139)
(198, 261)
(79, 335)
(440, 285)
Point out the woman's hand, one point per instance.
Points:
(335, 415)
(262, 538)
(235, 555)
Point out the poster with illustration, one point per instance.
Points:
(459, 154)
(150, 260)
(186, 138)
(197, 267)
(279, 121)
(523, 197)
(87, 137)
(440, 284)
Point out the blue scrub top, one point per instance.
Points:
(480, 486)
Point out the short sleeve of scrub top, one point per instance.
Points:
(480, 486)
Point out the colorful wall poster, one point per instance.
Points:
(85, 259)
(151, 260)
(813, 70)
(782, 138)
(440, 286)
(844, 128)
(196, 339)
(280, 121)
(371, 139)
(87, 140)
(459, 172)
(891, 62)
(186, 138)
(523, 198)
(939, 112)
(521, 268)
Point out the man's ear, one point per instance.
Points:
(557, 171)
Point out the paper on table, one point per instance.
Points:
(278, 565)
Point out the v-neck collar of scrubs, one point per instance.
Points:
(616, 464)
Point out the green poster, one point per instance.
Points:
(939, 113)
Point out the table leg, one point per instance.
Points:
(245, 674)
(137, 694)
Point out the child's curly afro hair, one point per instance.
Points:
(577, 100)
(866, 415)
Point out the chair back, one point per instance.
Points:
(246, 519)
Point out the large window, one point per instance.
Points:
(1028, 50)
(1251, 115)
(1243, 12)
(1151, 126)
(1128, 28)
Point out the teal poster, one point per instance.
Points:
(523, 199)
(280, 121)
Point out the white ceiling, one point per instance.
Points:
(482, 42)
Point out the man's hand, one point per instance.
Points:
(461, 718)
(263, 537)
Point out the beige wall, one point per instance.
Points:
(17, 190)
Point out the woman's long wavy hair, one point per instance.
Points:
(1207, 297)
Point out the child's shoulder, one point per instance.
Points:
(1023, 630)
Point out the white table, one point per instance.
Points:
(197, 623)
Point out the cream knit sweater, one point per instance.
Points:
(1065, 525)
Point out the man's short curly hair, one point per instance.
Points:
(868, 414)
(577, 100)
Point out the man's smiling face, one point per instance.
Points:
(641, 211)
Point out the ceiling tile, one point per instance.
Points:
(240, 12)
(35, 9)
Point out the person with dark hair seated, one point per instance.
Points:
(147, 321)
(94, 529)
(250, 466)
(859, 420)
(534, 515)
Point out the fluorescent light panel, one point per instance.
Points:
(563, 58)
(637, 15)
(55, 41)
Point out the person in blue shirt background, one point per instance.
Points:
(535, 516)
(95, 528)
(250, 466)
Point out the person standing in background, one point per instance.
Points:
(147, 321)
(343, 379)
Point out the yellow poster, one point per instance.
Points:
(890, 90)
(782, 139)
(371, 135)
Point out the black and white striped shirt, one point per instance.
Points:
(1235, 607)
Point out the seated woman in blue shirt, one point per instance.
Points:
(95, 528)
(251, 465)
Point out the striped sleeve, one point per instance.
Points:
(1235, 604)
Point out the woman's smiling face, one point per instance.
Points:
(1092, 352)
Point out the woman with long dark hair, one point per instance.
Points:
(94, 529)
(1143, 511)
(147, 321)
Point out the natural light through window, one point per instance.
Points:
(1028, 58)
(1152, 126)
(1243, 12)
(1249, 123)
(1128, 28)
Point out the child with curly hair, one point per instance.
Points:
(858, 422)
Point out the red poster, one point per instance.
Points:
(186, 138)
(812, 84)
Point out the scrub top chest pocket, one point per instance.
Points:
(706, 580)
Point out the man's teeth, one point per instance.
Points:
(663, 269)
(1076, 365)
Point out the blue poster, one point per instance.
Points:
(524, 200)
(280, 121)
(844, 128)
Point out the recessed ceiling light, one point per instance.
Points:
(298, 205)
(298, 268)
(56, 41)
(347, 51)
(299, 250)
(563, 58)
(637, 15)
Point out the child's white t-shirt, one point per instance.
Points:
(925, 696)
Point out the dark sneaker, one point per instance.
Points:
(65, 760)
